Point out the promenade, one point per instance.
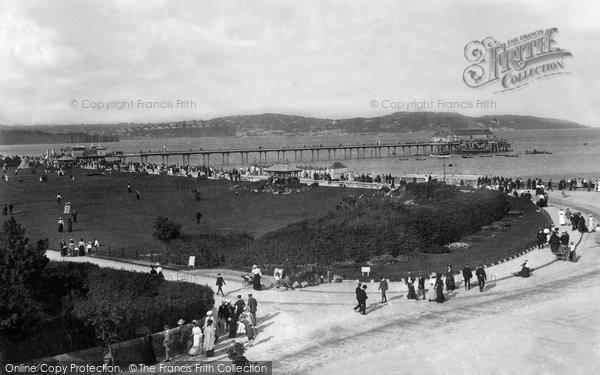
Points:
(548, 323)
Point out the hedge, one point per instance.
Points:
(77, 295)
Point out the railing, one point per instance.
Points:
(130, 253)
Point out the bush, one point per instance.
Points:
(166, 230)
(361, 229)
(85, 305)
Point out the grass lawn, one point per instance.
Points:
(113, 216)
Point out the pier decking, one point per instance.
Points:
(320, 152)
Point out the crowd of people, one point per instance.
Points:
(509, 183)
(437, 281)
(235, 321)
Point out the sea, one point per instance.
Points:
(575, 153)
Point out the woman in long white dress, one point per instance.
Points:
(562, 220)
(197, 340)
(209, 337)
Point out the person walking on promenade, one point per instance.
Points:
(5, 210)
(358, 292)
(58, 199)
(541, 238)
(481, 277)
(223, 316)
(467, 275)
(74, 215)
(411, 288)
(138, 196)
(421, 286)
(572, 255)
(69, 225)
(554, 240)
(252, 305)
(180, 337)
(432, 291)
(220, 283)
(239, 307)
(439, 289)
(383, 286)
(597, 234)
(168, 344)
(591, 225)
(196, 339)
(363, 300)
(209, 338)
(450, 283)
(562, 219)
(568, 215)
(61, 224)
(198, 217)
(10, 209)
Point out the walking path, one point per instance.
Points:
(548, 323)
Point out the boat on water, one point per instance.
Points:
(486, 156)
(420, 158)
(511, 156)
(467, 156)
(441, 156)
(586, 143)
(538, 152)
(403, 159)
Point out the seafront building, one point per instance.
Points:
(466, 141)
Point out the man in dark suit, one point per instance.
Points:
(481, 277)
(363, 300)
(198, 217)
(467, 275)
(220, 283)
(223, 315)
(358, 292)
(252, 304)
(239, 307)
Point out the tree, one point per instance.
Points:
(166, 230)
(20, 267)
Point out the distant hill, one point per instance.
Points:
(275, 123)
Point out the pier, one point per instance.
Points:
(300, 153)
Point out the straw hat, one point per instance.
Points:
(181, 321)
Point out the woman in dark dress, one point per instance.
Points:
(232, 326)
(411, 288)
(256, 277)
(450, 284)
(439, 288)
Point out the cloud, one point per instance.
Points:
(323, 58)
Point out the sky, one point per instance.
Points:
(66, 61)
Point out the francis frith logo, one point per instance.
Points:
(514, 63)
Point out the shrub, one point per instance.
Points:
(84, 304)
(166, 230)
